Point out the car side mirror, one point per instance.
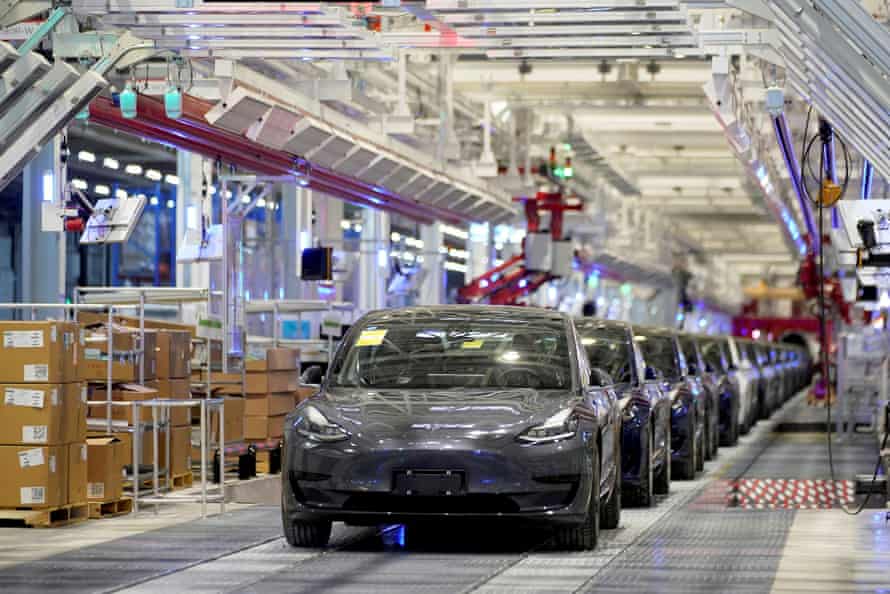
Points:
(651, 374)
(313, 376)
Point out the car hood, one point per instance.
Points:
(444, 414)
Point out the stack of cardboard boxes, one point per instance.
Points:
(270, 389)
(43, 451)
(166, 372)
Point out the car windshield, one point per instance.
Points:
(460, 352)
(608, 350)
(712, 354)
(658, 352)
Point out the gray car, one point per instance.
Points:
(455, 412)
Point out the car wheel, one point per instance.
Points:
(662, 484)
(584, 536)
(686, 468)
(642, 495)
(611, 511)
(299, 533)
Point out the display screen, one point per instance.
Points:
(317, 264)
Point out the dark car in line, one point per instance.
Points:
(710, 383)
(660, 348)
(715, 352)
(646, 410)
(455, 412)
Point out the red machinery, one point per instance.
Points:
(512, 280)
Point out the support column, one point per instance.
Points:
(42, 261)
(479, 248)
(373, 260)
(297, 223)
(188, 216)
(432, 289)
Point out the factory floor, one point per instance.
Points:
(727, 531)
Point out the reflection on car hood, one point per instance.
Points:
(476, 414)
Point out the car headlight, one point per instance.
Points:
(312, 424)
(562, 425)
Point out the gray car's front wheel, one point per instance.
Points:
(584, 536)
(300, 533)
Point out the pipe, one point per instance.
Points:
(868, 174)
(786, 146)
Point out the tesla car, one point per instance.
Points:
(747, 375)
(661, 350)
(455, 412)
(715, 352)
(646, 411)
(710, 383)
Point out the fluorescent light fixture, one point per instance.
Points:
(80, 184)
(121, 193)
(110, 163)
(133, 169)
(153, 175)
(454, 231)
(395, 236)
(246, 199)
(345, 225)
(153, 201)
(171, 204)
(271, 205)
(86, 156)
(49, 189)
(171, 179)
(102, 190)
(357, 227)
(455, 267)
(261, 203)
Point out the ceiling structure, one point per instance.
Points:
(616, 85)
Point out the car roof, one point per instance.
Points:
(505, 313)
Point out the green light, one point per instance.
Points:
(559, 172)
(173, 103)
(567, 146)
(127, 100)
(626, 289)
(568, 172)
(593, 281)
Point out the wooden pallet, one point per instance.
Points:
(181, 481)
(50, 517)
(110, 509)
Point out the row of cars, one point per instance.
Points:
(519, 414)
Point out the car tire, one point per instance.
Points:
(706, 439)
(610, 513)
(702, 450)
(643, 494)
(584, 536)
(307, 534)
(686, 468)
(662, 484)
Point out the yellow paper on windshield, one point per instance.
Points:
(371, 338)
(472, 344)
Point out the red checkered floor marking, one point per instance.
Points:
(790, 494)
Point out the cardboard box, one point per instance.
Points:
(268, 405)
(48, 414)
(176, 389)
(303, 392)
(225, 383)
(264, 427)
(77, 472)
(125, 358)
(33, 476)
(174, 354)
(180, 450)
(274, 360)
(122, 393)
(234, 419)
(271, 382)
(41, 352)
(146, 448)
(88, 318)
(104, 468)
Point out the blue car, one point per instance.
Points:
(646, 410)
(662, 352)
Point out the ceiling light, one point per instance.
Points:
(102, 190)
(110, 163)
(171, 204)
(79, 184)
(261, 203)
(153, 174)
(171, 179)
(245, 199)
(120, 193)
(86, 156)
(133, 169)
(345, 225)
(153, 201)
